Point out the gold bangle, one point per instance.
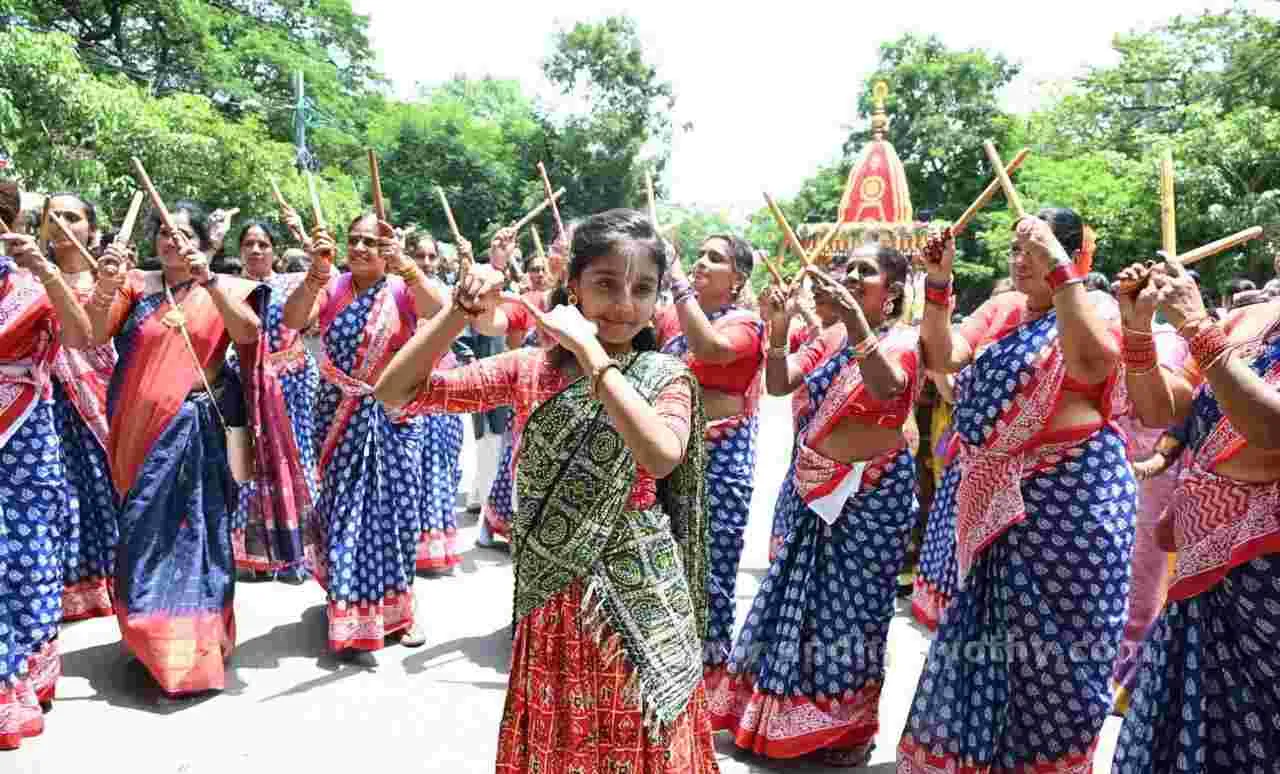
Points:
(597, 376)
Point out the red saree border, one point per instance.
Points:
(91, 598)
(184, 654)
(915, 759)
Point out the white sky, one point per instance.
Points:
(770, 89)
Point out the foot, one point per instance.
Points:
(414, 638)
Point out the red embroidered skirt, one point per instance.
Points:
(568, 708)
(20, 714)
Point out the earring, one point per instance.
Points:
(573, 298)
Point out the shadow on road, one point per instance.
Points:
(304, 638)
(122, 681)
(489, 651)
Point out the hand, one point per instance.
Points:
(220, 224)
(480, 288)
(111, 271)
(25, 251)
(676, 270)
(1177, 294)
(939, 256)
(826, 287)
(773, 308)
(293, 221)
(566, 326)
(465, 253)
(321, 248)
(1037, 242)
(198, 262)
(1151, 467)
(389, 247)
(1138, 308)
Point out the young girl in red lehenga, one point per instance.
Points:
(610, 531)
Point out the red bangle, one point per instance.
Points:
(1209, 343)
(938, 296)
(1064, 274)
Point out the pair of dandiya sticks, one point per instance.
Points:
(1003, 182)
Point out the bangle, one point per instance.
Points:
(597, 376)
(681, 291)
(782, 350)
(1064, 274)
(102, 300)
(408, 272)
(1196, 322)
(938, 295)
(1208, 345)
(461, 307)
(1135, 332)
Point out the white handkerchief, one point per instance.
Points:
(829, 506)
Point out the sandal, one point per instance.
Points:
(414, 637)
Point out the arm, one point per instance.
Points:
(428, 298)
(76, 331)
(241, 321)
(1160, 397)
(945, 351)
(656, 437)
(1252, 405)
(705, 342)
(783, 372)
(304, 303)
(107, 307)
(883, 378)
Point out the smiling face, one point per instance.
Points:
(714, 275)
(257, 252)
(167, 244)
(538, 277)
(868, 281)
(618, 293)
(1025, 279)
(366, 264)
(75, 214)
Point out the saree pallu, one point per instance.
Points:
(1018, 677)
(606, 672)
(275, 506)
(369, 515)
(1207, 694)
(935, 583)
(731, 473)
(174, 588)
(33, 507)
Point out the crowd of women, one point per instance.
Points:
(165, 432)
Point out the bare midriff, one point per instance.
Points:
(719, 405)
(854, 440)
(1251, 465)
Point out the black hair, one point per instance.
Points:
(1066, 225)
(360, 217)
(91, 212)
(1096, 280)
(266, 229)
(416, 239)
(228, 264)
(741, 251)
(895, 267)
(1239, 286)
(614, 231)
(196, 216)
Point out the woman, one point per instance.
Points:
(168, 450)
(268, 535)
(723, 346)
(1205, 698)
(35, 509)
(369, 516)
(935, 582)
(1044, 517)
(81, 374)
(437, 550)
(610, 536)
(808, 667)
(810, 345)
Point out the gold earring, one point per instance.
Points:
(573, 298)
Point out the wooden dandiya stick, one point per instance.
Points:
(536, 211)
(66, 232)
(790, 235)
(125, 235)
(1010, 193)
(1198, 254)
(773, 270)
(163, 212)
(555, 211)
(537, 243)
(653, 200)
(1168, 213)
(317, 213)
(988, 194)
(379, 204)
(4, 227)
(275, 194)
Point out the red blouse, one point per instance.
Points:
(526, 378)
(746, 338)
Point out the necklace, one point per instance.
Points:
(175, 317)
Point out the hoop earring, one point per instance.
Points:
(573, 298)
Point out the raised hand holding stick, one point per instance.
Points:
(988, 194)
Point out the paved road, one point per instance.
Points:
(290, 707)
